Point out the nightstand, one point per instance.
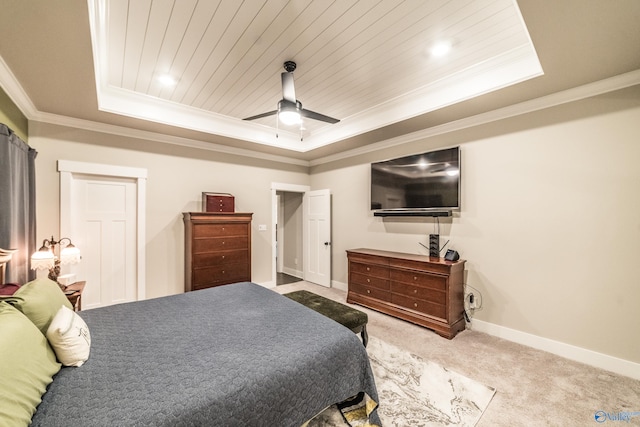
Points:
(75, 296)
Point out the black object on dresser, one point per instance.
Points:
(217, 249)
(424, 290)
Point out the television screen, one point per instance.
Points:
(428, 181)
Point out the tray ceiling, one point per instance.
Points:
(366, 63)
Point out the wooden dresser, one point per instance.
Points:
(217, 249)
(423, 290)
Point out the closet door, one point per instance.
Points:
(101, 214)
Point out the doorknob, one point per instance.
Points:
(327, 243)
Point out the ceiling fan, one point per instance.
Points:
(290, 110)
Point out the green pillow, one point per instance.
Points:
(27, 366)
(39, 300)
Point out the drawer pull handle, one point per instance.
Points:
(223, 242)
(415, 277)
(222, 256)
(368, 280)
(415, 291)
(415, 304)
(368, 291)
(368, 269)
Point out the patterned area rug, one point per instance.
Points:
(415, 392)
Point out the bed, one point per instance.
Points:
(224, 356)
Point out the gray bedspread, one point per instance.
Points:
(235, 355)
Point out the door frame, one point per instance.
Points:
(275, 187)
(67, 168)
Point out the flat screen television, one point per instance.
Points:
(418, 183)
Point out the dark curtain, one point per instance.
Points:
(17, 204)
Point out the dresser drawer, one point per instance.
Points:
(369, 269)
(370, 292)
(220, 258)
(368, 259)
(219, 230)
(229, 273)
(220, 244)
(430, 267)
(426, 307)
(412, 291)
(422, 279)
(373, 282)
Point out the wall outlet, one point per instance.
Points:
(295, 261)
(262, 227)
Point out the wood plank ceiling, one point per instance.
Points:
(355, 58)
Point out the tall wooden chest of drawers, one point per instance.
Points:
(423, 290)
(217, 249)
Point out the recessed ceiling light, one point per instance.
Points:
(440, 48)
(166, 80)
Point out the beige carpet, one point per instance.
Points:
(534, 388)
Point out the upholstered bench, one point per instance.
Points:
(346, 316)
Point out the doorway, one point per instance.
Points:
(301, 237)
(289, 255)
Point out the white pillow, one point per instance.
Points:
(69, 336)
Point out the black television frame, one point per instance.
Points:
(439, 161)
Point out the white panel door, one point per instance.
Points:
(317, 237)
(104, 225)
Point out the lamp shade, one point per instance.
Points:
(42, 260)
(70, 255)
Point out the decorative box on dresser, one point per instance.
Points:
(217, 249)
(420, 289)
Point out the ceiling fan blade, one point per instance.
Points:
(259, 116)
(288, 90)
(317, 116)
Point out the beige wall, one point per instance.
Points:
(176, 178)
(549, 226)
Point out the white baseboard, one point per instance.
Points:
(293, 272)
(339, 285)
(572, 352)
(268, 285)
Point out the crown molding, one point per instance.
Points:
(88, 125)
(14, 90)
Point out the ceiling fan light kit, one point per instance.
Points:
(289, 113)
